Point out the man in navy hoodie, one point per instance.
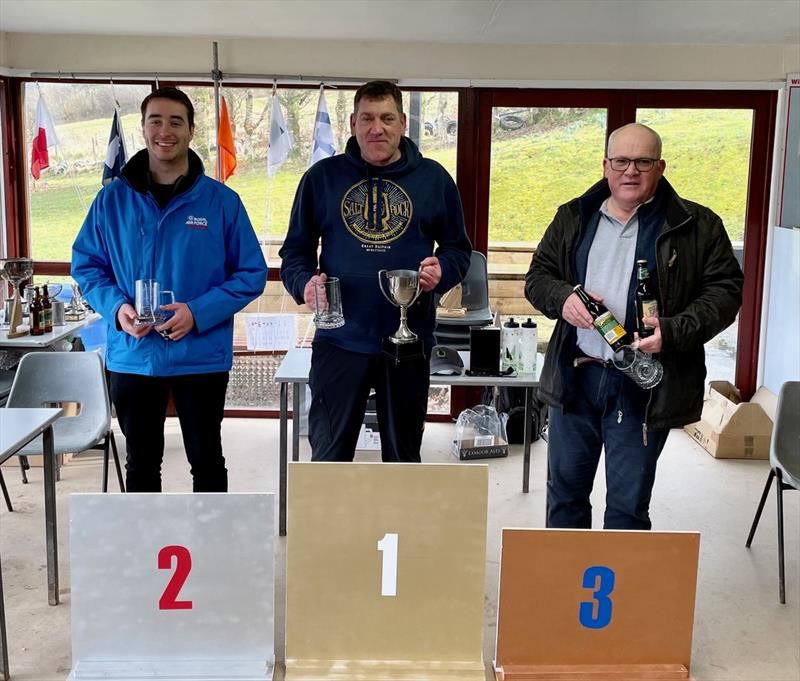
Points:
(165, 220)
(380, 205)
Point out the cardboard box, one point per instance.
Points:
(368, 439)
(732, 429)
(481, 447)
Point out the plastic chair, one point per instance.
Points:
(454, 331)
(46, 378)
(784, 459)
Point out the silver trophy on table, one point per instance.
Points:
(403, 290)
(15, 271)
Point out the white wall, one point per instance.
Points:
(407, 61)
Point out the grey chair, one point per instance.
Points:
(784, 460)
(48, 378)
(454, 331)
(6, 379)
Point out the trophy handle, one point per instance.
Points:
(383, 291)
(419, 288)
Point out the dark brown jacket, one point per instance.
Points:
(700, 292)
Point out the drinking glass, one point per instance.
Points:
(643, 369)
(146, 301)
(328, 304)
(166, 297)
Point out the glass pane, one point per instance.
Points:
(82, 115)
(708, 161)
(541, 158)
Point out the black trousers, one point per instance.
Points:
(340, 382)
(141, 404)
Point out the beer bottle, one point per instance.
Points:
(646, 303)
(47, 311)
(36, 314)
(604, 321)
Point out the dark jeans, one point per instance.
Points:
(608, 413)
(141, 404)
(340, 382)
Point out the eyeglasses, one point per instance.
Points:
(643, 165)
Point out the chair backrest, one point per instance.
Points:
(475, 287)
(785, 447)
(44, 378)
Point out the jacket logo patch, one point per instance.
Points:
(376, 212)
(193, 222)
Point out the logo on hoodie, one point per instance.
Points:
(376, 211)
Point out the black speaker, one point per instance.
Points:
(484, 350)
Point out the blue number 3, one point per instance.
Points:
(601, 579)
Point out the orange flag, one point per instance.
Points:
(225, 146)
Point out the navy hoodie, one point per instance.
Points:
(370, 218)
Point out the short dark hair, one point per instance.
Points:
(378, 89)
(175, 95)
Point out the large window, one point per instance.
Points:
(82, 113)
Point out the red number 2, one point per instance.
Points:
(183, 565)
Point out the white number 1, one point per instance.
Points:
(388, 546)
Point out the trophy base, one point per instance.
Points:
(400, 352)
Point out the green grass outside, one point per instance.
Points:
(531, 175)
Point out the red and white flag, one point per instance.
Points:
(44, 137)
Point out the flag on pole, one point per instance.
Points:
(280, 139)
(225, 146)
(115, 154)
(44, 137)
(324, 143)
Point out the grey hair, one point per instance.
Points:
(652, 132)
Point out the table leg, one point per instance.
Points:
(4, 674)
(51, 531)
(526, 440)
(284, 398)
(295, 422)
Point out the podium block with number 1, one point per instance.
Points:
(385, 572)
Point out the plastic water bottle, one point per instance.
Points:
(529, 341)
(511, 346)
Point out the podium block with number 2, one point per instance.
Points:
(385, 571)
(583, 604)
(172, 586)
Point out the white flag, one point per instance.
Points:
(280, 139)
(324, 143)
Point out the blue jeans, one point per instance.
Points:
(608, 413)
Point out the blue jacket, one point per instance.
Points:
(370, 218)
(201, 246)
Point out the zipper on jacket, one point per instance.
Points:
(646, 414)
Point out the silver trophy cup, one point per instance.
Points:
(403, 290)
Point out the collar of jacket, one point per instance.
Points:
(137, 173)
(666, 198)
(410, 158)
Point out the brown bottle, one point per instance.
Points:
(47, 311)
(37, 329)
(646, 304)
(604, 321)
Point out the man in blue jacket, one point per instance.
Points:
(165, 220)
(380, 205)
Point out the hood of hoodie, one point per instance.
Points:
(137, 173)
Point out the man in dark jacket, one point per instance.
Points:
(594, 240)
(380, 205)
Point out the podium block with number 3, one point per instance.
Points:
(385, 571)
(172, 586)
(582, 604)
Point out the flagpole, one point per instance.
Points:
(215, 74)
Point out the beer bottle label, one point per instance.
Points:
(609, 327)
(649, 309)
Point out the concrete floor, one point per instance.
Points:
(741, 631)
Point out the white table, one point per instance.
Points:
(296, 366)
(45, 340)
(17, 428)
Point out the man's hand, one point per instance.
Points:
(574, 311)
(430, 273)
(126, 316)
(308, 292)
(651, 344)
(179, 324)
